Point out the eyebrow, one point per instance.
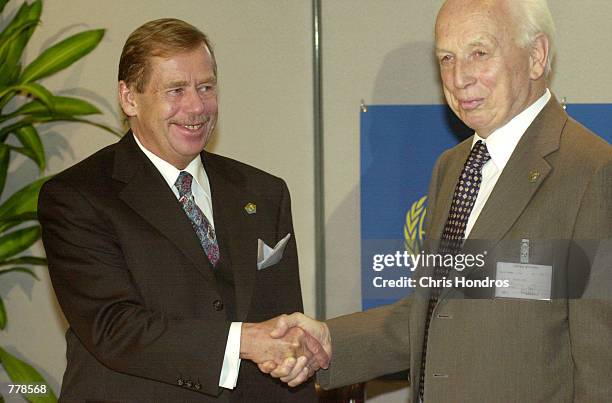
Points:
(183, 83)
(440, 50)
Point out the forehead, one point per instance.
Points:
(472, 23)
(196, 63)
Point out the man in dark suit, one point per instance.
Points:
(532, 189)
(158, 251)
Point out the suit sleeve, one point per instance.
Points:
(375, 342)
(590, 317)
(104, 308)
(285, 226)
(368, 344)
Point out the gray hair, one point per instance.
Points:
(534, 18)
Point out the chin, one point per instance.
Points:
(191, 147)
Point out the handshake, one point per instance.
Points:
(290, 347)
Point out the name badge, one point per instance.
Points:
(526, 281)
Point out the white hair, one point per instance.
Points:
(534, 18)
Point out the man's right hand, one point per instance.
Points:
(290, 347)
(295, 372)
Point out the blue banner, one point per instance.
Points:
(399, 146)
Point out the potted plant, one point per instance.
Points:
(25, 104)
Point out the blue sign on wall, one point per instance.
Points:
(399, 146)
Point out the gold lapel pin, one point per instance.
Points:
(251, 208)
(533, 176)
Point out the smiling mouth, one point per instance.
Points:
(192, 126)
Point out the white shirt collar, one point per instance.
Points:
(171, 173)
(502, 142)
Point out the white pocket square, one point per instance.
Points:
(267, 256)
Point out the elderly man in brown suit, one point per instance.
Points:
(536, 187)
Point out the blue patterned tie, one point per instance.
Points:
(464, 198)
(201, 226)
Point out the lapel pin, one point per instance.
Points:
(533, 176)
(251, 208)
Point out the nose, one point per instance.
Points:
(193, 102)
(463, 74)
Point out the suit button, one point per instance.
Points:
(189, 384)
(180, 382)
(197, 386)
(217, 305)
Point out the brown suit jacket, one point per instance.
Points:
(485, 349)
(148, 315)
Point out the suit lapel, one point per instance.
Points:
(236, 229)
(444, 196)
(148, 194)
(517, 185)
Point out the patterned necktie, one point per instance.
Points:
(201, 226)
(463, 201)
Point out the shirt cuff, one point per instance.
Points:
(231, 359)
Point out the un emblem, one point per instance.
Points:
(413, 229)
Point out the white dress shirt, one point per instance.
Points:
(200, 187)
(501, 144)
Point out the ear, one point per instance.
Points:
(127, 99)
(537, 56)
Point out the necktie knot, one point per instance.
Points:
(478, 156)
(183, 183)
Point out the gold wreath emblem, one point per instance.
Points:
(413, 229)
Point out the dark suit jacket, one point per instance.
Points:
(148, 315)
(482, 349)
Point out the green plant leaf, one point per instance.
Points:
(16, 47)
(33, 89)
(12, 41)
(61, 106)
(13, 32)
(5, 131)
(23, 373)
(17, 241)
(20, 22)
(19, 17)
(5, 158)
(33, 260)
(29, 138)
(13, 38)
(62, 55)
(3, 317)
(37, 91)
(10, 222)
(8, 75)
(2, 4)
(22, 151)
(20, 270)
(23, 201)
